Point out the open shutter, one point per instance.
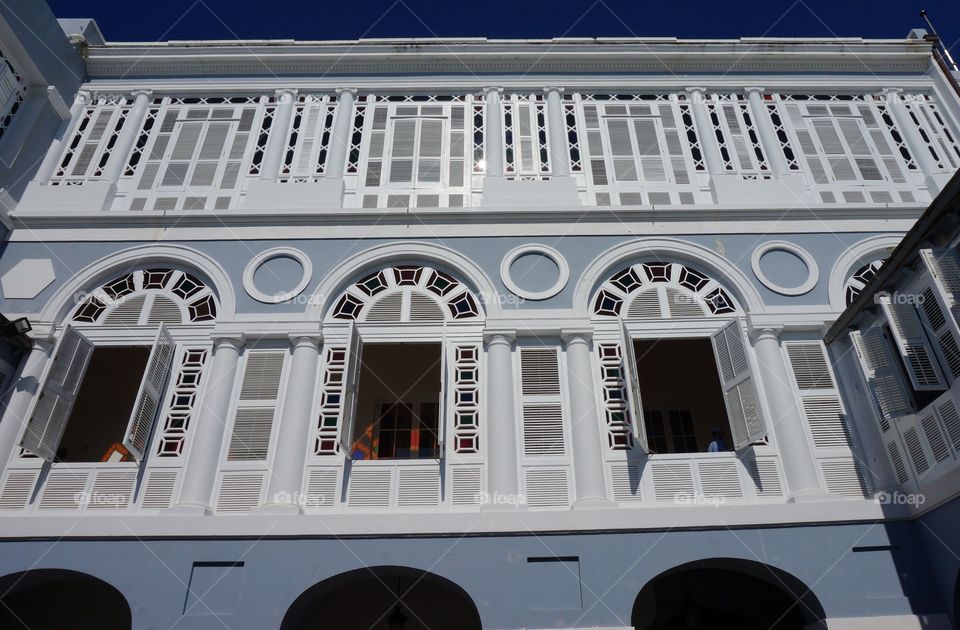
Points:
(944, 267)
(442, 407)
(739, 389)
(137, 436)
(915, 350)
(633, 388)
(49, 419)
(354, 350)
(881, 375)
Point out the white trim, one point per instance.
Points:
(562, 277)
(336, 280)
(813, 271)
(99, 271)
(270, 254)
(856, 253)
(703, 259)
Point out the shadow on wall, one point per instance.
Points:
(380, 598)
(54, 599)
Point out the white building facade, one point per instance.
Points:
(467, 333)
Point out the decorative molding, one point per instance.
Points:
(813, 271)
(270, 254)
(563, 271)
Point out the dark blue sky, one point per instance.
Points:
(136, 20)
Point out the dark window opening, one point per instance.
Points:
(398, 402)
(99, 418)
(681, 395)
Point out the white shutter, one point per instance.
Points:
(256, 406)
(915, 350)
(348, 410)
(137, 437)
(739, 390)
(941, 329)
(542, 408)
(944, 268)
(881, 375)
(442, 414)
(818, 395)
(632, 383)
(59, 392)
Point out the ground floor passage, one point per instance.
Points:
(844, 576)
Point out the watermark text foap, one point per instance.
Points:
(690, 498)
(500, 498)
(302, 499)
(101, 499)
(913, 499)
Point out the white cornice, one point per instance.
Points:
(260, 58)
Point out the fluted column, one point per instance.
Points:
(18, 403)
(585, 428)
(340, 137)
(493, 136)
(127, 136)
(708, 138)
(286, 475)
(556, 127)
(203, 462)
(914, 141)
(49, 165)
(767, 132)
(279, 128)
(502, 461)
(786, 422)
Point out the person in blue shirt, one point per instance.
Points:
(717, 445)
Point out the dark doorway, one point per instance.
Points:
(381, 598)
(53, 599)
(725, 593)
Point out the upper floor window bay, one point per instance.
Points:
(405, 375)
(677, 373)
(110, 369)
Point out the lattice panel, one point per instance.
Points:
(148, 296)
(88, 152)
(466, 398)
(573, 137)
(13, 92)
(331, 401)
(692, 288)
(526, 151)
(172, 434)
(737, 136)
(308, 140)
(613, 384)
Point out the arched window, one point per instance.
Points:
(860, 278)
(655, 290)
(111, 369)
(675, 388)
(407, 293)
(401, 381)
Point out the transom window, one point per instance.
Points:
(655, 290)
(860, 279)
(149, 297)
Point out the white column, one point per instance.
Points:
(557, 130)
(127, 136)
(914, 141)
(286, 474)
(708, 138)
(203, 461)
(767, 132)
(49, 165)
(786, 422)
(502, 461)
(493, 133)
(19, 401)
(277, 141)
(340, 136)
(585, 429)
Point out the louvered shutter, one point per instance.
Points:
(632, 385)
(944, 267)
(137, 436)
(542, 408)
(739, 389)
(939, 304)
(354, 350)
(876, 361)
(256, 406)
(59, 392)
(915, 350)
(818, 394)
(442, 407)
